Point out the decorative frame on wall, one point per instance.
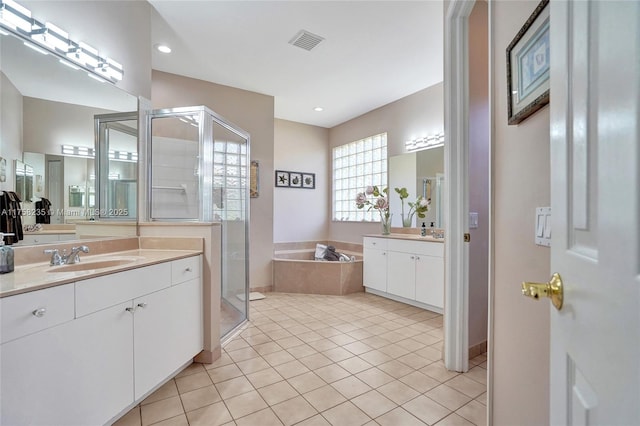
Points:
(286, 179)
(528, 66)
(254, 179)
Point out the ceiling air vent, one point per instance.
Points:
(306, 40)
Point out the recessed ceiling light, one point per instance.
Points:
(163, 48)
(318, 109)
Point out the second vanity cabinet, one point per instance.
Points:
(406, 270)
(126, 333)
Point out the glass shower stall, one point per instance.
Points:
(199, 172)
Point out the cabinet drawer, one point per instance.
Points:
(185, 269)
(28, 313)
(375, 243)
(426, 248)
(98, 293)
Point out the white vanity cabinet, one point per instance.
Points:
(413, 270)
(131, 331)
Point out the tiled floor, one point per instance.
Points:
(325, 360)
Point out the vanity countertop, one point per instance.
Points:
(412, 237)
(51, 232)
(36, 276)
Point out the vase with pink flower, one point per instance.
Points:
(418, 207)
(379, 202)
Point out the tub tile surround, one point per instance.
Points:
(313, 359)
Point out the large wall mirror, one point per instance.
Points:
(48, 104)
(422, 173)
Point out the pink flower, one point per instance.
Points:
(381, 203)
(361, 198)
(424, 202)
(369, 190)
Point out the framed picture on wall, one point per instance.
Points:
(309, 180)
(528, 66)
(295, 180)
(282, 178)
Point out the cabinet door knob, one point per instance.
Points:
(417, 257)
(39, 312)
(131, 310)
(142, 304)
(188, 269)
(413, 257)
(384, 253)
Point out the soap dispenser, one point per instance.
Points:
(423, 230)
(6, 256)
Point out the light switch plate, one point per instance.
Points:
(473, 220)
(542, 231)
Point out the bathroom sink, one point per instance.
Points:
(91, 265)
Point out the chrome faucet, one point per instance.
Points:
(74, 255)
(55, 257)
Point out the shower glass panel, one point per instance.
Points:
(199, 168)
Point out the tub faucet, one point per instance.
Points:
(74, 255)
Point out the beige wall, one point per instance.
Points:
(520, 174)
(415, 115)
(479, 171)
(301, 214)
(10, 129)
(120, 30)
(253, 112)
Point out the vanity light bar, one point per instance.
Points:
(78, 151)
(17, 20)
(425, 142)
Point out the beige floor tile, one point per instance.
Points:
(411, 344)
(302, 351)
(194, 381)
(264, 378)
(253, 365)
(376, 342)
(438, 372)
(264, 417)
(345, 328)
(342, 339)
(316, 361)
(393, 350)
(328, 331)
(478, 374)
(398, 392)
(132, 418)
(277, 358)
(270, 326)
(323, 345)
(161, 410)
(193, 368)
(211, 415)
(289, 342)
(374, 377)
(316, 420)
(427, 339)
(467, 386)
(324, 398)
(294, 410)
(199, 398)
(267, 348)
(332, 373)
(482, 399)
(395, 368)
(357, 348)
(419, 381)
(360, 334)
(394, 336)
(180, 420)
(243, 354)
(245, 404)
(235, 344)
(479, 359)
(167, 390)
(426, 409)
(483, 365)
(475, 412)
(399, 417)
(278, 334)
(454, 420)
(225, 359)
(257, 339)
(306, 382)
(414, 361)
(278, 392)
(375, 357)
(346, 414)
(448, 397)
(234, 387)
(291, 369)
(351, 387)
(355, 365)
(374, 404)
(224, 373)
(337, 354)
(429, 353)
(296, 329)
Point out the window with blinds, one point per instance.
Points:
(357, 165)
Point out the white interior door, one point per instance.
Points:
(595, 166)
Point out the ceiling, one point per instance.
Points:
(373, 52)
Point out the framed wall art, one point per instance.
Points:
(528, 66)
(282, 179)
(295, 180)
(309, 180)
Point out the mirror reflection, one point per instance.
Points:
(422, 173)
(47, 105)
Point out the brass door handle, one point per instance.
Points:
(552, 290)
